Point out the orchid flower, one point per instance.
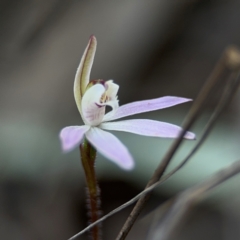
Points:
(92, 97)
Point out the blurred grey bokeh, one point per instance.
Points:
(151, 49)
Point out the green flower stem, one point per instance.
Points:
(88, 156)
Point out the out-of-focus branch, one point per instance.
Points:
(229, 61)
(174, 216)
(227, 96)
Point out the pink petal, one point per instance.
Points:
(109, 146)
(71, 136)
(144, 106)
(147, 128)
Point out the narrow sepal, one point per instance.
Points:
(144, 106)
(83, 72)
(146, 127)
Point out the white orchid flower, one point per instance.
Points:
(92, 97)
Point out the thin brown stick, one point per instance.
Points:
(185, 200)
(230, 59)
(226, 98)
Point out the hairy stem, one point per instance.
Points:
(88, 156)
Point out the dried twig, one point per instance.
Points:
(185, 200)
(227, 96)
(229, 60)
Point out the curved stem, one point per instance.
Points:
(88, 156)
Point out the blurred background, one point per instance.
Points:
(151, 49)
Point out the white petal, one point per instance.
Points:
(112, 89)
(71, 136)
(109, 146)
(147, 128)
(92, 111)
(83, 71)
(144, 106)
